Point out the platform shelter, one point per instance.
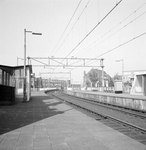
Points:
(12, 76)
(139, 85)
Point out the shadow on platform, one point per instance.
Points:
(22, 114)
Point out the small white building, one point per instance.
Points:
(139, 85)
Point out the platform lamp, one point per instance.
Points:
(24, 78)
(102, 66)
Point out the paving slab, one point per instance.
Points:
(48, 124)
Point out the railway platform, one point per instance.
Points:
(48, 124)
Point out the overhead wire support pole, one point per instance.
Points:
(54, 73)
(18, 60)
(38, 61)
(84, 62)
(74, 66)
(67, 61)
(72, 58)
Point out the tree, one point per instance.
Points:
(128, 83)
(95, 75)
(117, 77)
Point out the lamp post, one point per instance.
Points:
(102, 66)
(122, 60)
(24, 79)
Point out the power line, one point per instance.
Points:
(120, 45)
(89, 62)
(94, 28)
(122, 27)
(67, 25)
(114, 28)
(102, 53)
(74, 25)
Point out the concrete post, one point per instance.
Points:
(28, 84)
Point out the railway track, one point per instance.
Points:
(126, 121)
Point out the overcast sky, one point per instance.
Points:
(112, 39)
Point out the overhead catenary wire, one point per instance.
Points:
(131, 21)
(120, 45)
(83, 50)
(67, 25)
(121, 28)
(93, 29)
(73, 25)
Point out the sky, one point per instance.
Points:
(74, 28)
